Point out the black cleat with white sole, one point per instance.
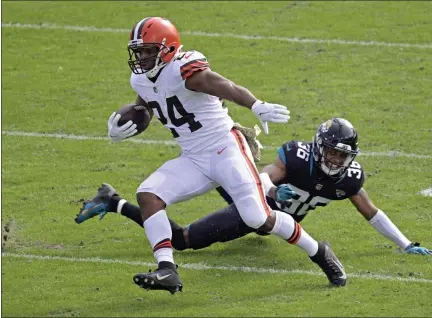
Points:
(163, 278)
(329, 263)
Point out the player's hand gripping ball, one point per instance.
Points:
(130, 120)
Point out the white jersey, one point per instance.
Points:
(196, 120)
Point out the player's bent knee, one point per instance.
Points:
(149, 204)
(251, 211)
(269, 223)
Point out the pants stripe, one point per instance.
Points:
(252, 168)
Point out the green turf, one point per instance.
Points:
(58, 81)
(109, 291)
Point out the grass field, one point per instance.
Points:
(60, 84)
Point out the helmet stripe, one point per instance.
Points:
(139, 27)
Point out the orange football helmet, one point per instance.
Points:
(153, 43)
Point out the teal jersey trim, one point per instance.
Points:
(281, 154)
(311, 159)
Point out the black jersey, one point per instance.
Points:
(312, 186)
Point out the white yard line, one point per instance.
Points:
(426, 192)
(203, 267)
(77, 137)
(172, 142)
(47, 25)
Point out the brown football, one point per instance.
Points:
(137, 113)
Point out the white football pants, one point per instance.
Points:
(228, 163)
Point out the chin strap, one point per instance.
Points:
(153, 72)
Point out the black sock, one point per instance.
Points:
(129, 210)
(221, 226)
(133, 212)
(165, 264)
(113, 202)
(178, 242)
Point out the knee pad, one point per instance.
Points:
(251, 211)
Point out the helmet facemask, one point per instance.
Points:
(153, 60)
(335, 146)
(328, 164)
(333, 160)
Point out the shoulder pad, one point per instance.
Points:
(188, 56)
(191, 62)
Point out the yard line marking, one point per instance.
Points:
(426, 192)
(47, 25)
(77, 137)
(173, 143)
(202, 266)
(305, 40)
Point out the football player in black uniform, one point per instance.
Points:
(304, 176)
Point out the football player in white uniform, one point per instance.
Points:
(185, 95)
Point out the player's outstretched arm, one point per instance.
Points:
(272, 174)
(382, 224)
(212, 83)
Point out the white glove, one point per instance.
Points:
(117, 133)
(270, 112)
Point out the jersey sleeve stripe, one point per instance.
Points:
(184, 66)
(189, 72)
(281, 154)
(196, 64)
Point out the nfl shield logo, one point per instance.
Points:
(318, 186)
(155, 89)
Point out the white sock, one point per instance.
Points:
(307, 243)
(286, 228)
(158, 231)
(120, 205)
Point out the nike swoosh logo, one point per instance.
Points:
(344, 276)
(220, 151)
(162, 277)
(263, 113)
(84, 212)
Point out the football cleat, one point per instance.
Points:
(98, 205)
(329, 263)
(160, 279)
